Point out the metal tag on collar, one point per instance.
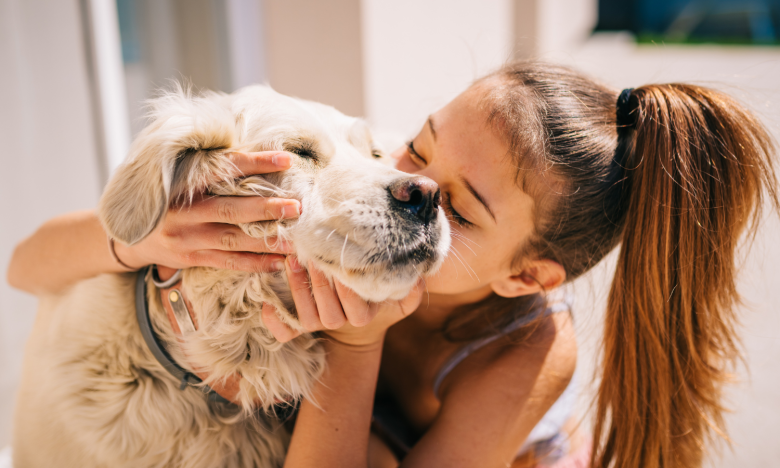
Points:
(180, 312)
(157, 350)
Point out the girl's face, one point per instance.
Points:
(489, 214)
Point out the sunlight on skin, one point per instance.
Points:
(456, 147)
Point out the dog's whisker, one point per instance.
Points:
(470, 249)
(456, 257)
(469, 270)
(462, 236)
(343, 249)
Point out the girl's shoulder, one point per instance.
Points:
(513, 337)
(511, 385)
(543, 337)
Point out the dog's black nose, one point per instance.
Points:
(419, 195)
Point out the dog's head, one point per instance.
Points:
(372, 227)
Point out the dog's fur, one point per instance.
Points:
(92, 395)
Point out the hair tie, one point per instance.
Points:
(625, 119)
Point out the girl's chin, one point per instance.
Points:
(456, 289)
(441, 285)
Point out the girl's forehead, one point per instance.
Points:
(461, 129)
(515, 187)
(483, 141)
(468, 105)
(476, 156)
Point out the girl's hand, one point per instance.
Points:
(205, 232)
(347, 318)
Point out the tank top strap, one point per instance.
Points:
(556, 301)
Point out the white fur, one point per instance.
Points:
(93, 395)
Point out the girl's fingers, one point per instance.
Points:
(298, 279)
(242, 261)
(235, 210)
(274, 324)
(328, 304)
(262, 162)
(358, 312)
(231, 238)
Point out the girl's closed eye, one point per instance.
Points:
(414, 155)
(453, 214)
(456, 217)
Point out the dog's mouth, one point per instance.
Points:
(419, 256)
(407, 250)
(370, 246)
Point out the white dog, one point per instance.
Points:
(93, 394)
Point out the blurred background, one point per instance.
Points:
(75, 75)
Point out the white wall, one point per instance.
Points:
(314, 51)
(544, 26)
(563, 24)
(418, 55)
(48, 160)
(101, 27)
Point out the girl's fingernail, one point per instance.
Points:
(281, 160)
(291, 210)
(278, 265)
(294, 265)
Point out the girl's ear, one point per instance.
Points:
(536, 276)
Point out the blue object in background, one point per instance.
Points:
(738, 21)
(128, 30)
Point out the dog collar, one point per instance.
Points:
(184, 376)
(179, 312)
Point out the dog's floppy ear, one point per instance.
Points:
(183, 129)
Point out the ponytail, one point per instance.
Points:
(676, 176)
(696, 165)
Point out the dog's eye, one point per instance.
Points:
(376, 154)
(306, 151)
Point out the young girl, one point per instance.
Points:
(542, 172)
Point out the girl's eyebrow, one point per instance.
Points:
(479, 198)
(430, 125)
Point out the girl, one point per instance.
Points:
(543, 172)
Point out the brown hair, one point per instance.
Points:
(678, 189)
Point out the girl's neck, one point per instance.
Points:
(436, 308)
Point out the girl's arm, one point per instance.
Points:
(73, 247)
(63, 251)
(332, 430)
(490, 403)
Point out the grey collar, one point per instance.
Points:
(184, 376)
